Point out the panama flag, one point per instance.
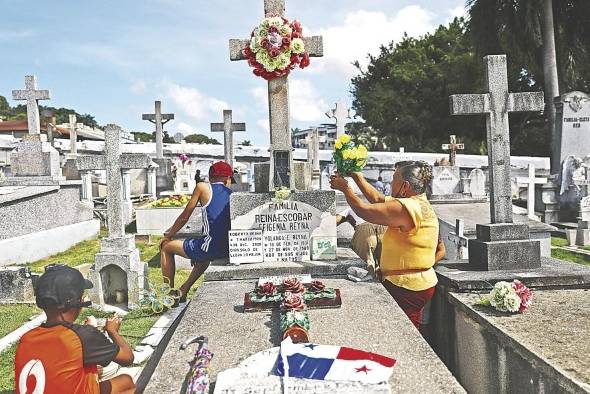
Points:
(326, 362)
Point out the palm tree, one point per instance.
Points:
(550, 40)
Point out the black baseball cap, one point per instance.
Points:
(61, 287)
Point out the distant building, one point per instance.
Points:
(327, 129)
(18, 128)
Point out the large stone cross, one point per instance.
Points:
(281, 161)
(339, 113)
(452, 147)
(228, 128)
(530, 182)
(114, 163)
(159, 119)
(32, 96)
(496, 104)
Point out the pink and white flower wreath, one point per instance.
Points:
(276, 47)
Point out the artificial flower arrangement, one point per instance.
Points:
(512, 297)
(175, 201)
(349, 157)
(281, 194)
(184, 160)
(276, 47)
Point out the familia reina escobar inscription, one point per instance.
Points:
(286, 230)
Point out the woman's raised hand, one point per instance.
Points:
(338, 183)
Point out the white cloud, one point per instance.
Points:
(193, 103)
(460, 11)
(138, 87)
(185, 128)
(364, 32)
(305, 102)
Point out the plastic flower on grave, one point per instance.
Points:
(276, 47)
(266, 289)
(282, 194)
(292, 301)
(183, 158)
(157, 297)
(293, 285)
(347, 156)
(508, 297)
(317, 286)
(525, 294)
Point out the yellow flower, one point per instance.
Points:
(360, 162)
(345, 138)
(362, 151)
(347, 154)
(354, 154)
(338, 144)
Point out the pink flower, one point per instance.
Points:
(525, 294)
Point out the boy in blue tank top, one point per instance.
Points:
(214, 199)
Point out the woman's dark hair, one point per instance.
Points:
(417, 173)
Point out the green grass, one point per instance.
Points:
(7, 370)
(12, 316)
(570, 256)
(558, 241)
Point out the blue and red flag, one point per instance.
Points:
(327, 362)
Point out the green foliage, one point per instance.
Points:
(245, 143)
(12, 316)
(143, 137)
(403, 94)
(7, 370)
(62, 115)
(514, 27)
(201, 139)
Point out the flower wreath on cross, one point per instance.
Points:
(276, 47)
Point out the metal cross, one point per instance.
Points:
(32, 96)
(228, 128)
(159, 119)
(496, 104)
(281, 161)
(452, 147)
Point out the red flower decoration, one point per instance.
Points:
(293, 302)
(305, 61)
(266, 289)
(317, 286)
(526, 297)
(293, 285)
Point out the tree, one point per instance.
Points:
(403, 94)
(4, 107)
(143, 137)
(201, 139)
(549, 39)
(245, 143)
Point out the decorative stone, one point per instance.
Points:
(477, 183)
(446, 181)
(228, 128)
(159, 119)
(572, 126)
(496, 104)
(16, 285)
(339, 113)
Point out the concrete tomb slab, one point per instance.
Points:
(218, 315)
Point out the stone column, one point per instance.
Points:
(151, 182)
(86, 186)
(127, 204)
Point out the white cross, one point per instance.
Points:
(73, 135)
(281, 160)
(339, 113)
(228, 128)
(159, 119)
(32, 96)
(460, 240)
(496, 104)
(530, 183)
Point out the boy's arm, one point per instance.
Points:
(125, 355)
(372, 194)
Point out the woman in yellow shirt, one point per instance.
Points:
(410, 242)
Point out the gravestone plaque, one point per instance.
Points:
(573, 118)
(446, 180)
(477, 184)
(280, 246)
(289, 226)
(245, 246)
(585, 209)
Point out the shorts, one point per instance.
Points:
(195, 250)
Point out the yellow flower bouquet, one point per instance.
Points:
(349, 157)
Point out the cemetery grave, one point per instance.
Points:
(284, 283)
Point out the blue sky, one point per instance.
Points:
(112, 59)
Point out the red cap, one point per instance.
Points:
(221, 168)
